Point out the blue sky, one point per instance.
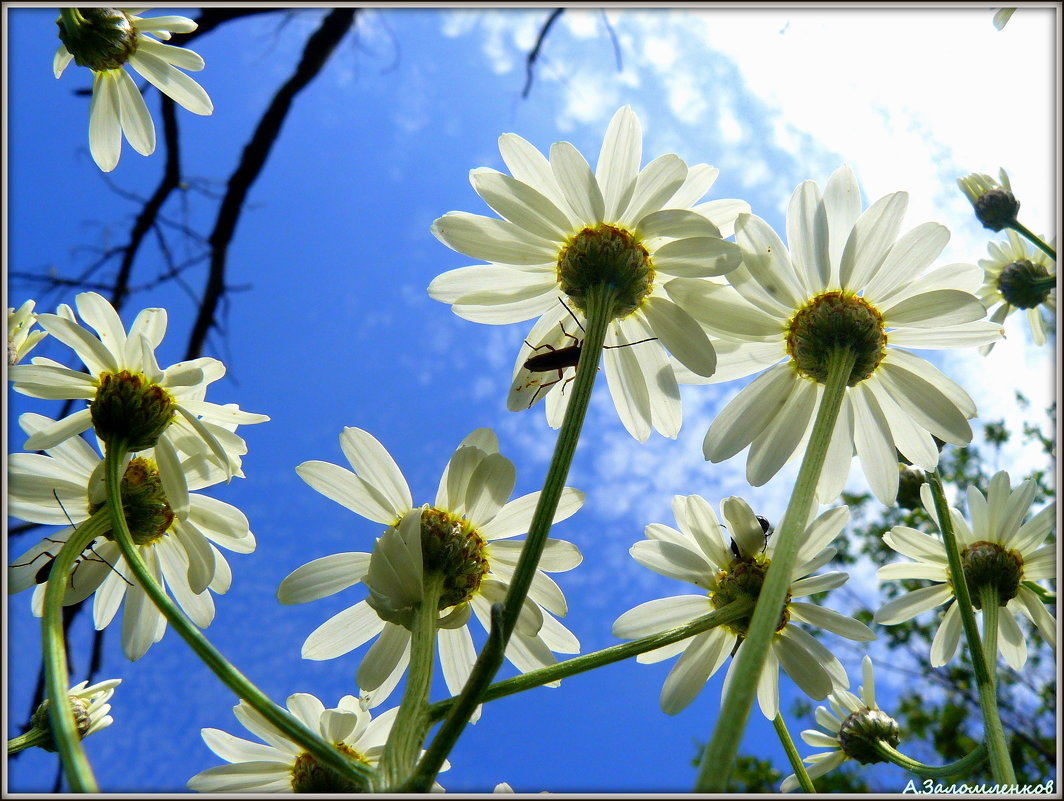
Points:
(329, 323)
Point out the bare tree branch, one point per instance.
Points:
(533, 54)
(319, 47)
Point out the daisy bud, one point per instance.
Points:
(832, 320)
(606, 255)
(987, 563)
(98, 38)
(1023, 284)
(90, 708)
(995, 205)
(909, 481)
(130, 408)
(21, 339)
(862, 729)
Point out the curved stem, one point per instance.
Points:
(719, 755)
(1034, 239)
(236, 681)
(607, 656)
(1000, 764)
(412, 721)
(57, 680)
(599, 312)
(797, 765)
(962, 766)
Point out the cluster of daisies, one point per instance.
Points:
(690, 307)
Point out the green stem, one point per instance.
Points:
(1000, 764)
(286, 724)
(607, 656)
(57, 681)
(34, 737)
(1034, 239)
(412, 722)
(599, 311)
(792, 755)
(988, 600)
(719, 756)
(963, 766)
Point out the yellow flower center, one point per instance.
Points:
(835, 320)
(451, 547)
(131, 409)
(310, 776)
(144, 504)
(744, 579)
(606, 255)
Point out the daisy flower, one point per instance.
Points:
(702, 554)
(565, 229)
(21, 338)
(130, 397)
(277, 765)
(65, 486)
(1008, 278)
(91, 710)
(105, 40)
(853, 724)
(997, 548)
(848, 279)
(465, 534)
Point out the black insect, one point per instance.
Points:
(558, 359)
(44, 571)
(765, 527)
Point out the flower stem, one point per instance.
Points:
(962, 766)
(1000, 764)
(607, 656)
(792, 755)
(599, 311)
(1034, 239)
(412, 721)
(33, 737)
(57, 681)
(719, 755)
(236, 681)
(988, 599)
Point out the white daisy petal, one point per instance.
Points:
(948, 636)
(323, 577)
(376, 466)
(907, 606)
(701, 659)
(748, 414)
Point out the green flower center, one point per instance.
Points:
(1023, 284)
(744, 579)
(131, 409)
(862, 729)
(310, 776)
(100, 39)
(606, 255)
(451, 547)
(987, 563)
(144, 504)
(834, 320)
